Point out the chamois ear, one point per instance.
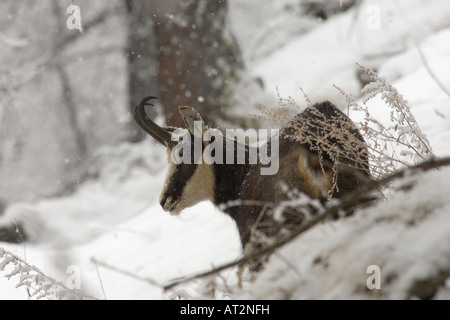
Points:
(193, 120)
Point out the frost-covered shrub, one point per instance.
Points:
(36, 282)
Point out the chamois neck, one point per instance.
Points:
(229, 180)
(230, 177)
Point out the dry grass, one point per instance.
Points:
(337, 139)
(38, 285)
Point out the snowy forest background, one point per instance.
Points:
(82, 181)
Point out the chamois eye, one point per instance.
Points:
(180, 153)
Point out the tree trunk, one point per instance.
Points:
(140, 51)
(197, 58)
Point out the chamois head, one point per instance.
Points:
(189, 180)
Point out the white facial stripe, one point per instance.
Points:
(199, 188)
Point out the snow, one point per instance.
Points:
(117, 220)
(113, 224)
(307, 56)
(396, 236)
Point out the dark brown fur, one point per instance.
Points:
(300, 168)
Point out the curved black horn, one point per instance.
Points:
(158, 133)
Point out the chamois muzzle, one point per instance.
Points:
(159, 134)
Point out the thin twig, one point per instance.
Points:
(21, 239)
(100, 279)
(430, 71)
(347, 201)
(289, 264)
(127, 273)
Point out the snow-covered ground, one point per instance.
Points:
(113, 224)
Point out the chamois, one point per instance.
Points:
(321, 155)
